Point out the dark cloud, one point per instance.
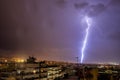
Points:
(95, 10)
(115, 2)
(16, 24)
(91, 10)
(53, 29)
(81, 5)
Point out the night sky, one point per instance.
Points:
(55, 30)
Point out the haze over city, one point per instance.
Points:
(55, 29)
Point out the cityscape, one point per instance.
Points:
(31, 69)
(59, 39)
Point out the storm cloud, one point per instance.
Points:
(81, 5)
(52, 29)
(115, 2)
(91, 10)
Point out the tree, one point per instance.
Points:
(88, 74)
(31, 59)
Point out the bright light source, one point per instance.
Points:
(88, 22)
(20, 60)
(6, 61)
(34, 71)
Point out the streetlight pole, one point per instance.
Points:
(77, 58)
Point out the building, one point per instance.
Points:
(29, 71)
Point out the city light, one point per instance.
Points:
(20, 60)
(34, 71)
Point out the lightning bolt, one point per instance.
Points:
(88, 22)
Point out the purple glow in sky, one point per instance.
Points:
(51, 29)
